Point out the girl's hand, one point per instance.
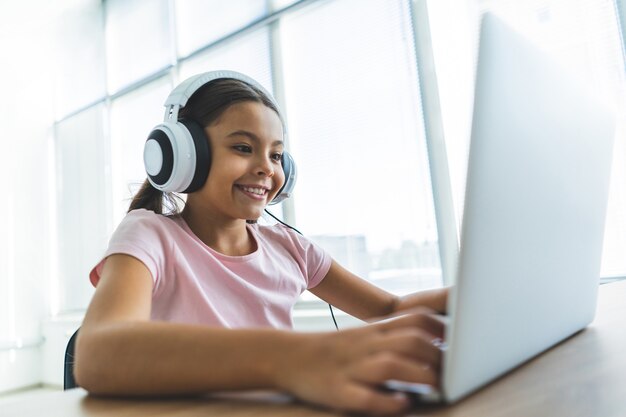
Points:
(345, 370)
(436, 299)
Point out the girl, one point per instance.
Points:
(199, 300)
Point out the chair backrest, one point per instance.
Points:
(68, 379)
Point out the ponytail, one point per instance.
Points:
(150, 198)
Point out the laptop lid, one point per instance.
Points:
(535, 203)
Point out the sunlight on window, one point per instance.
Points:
(201, 22)
(138, 40)
(357, 135)
(582, 35)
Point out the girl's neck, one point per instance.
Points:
(228, 237)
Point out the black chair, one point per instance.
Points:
(68, 380)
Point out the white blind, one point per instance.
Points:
(138, 40)
(201, 22)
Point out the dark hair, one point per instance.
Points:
(204, 107)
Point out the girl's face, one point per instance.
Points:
(246, 171)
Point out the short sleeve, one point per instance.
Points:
(316, 260)
(140, 235)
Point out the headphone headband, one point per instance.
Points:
(180, 95)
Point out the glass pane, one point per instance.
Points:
(24, 220)
(133, 116)
(79, 57)
(138, 40)
(356, 132)
(83, 203)
(201, 22)
(248, 54)
(583, 35)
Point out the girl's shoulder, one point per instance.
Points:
(150, 217)
(148, 222)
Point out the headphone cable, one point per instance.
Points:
(332, 313)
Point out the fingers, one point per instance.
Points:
(363, 399)
(412, 343)
(420, 317)
(361, 394)
(385, 366)
(416, 335)
(345, 370)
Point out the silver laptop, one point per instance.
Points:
(533, 224)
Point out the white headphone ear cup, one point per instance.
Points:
(291, 174)
(177, 154)
(158, 157)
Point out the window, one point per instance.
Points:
(80, 69)
(356, 134)
(248, 54)
(582, 34)
(138, 40)
(202, 22)
(84, 203)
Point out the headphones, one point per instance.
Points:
(176, 154)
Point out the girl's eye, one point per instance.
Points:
(277, 157)
(243, 148)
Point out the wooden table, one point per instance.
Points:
(583, 376)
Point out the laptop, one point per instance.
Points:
(535, 203)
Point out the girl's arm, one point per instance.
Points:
(121, 352)
(364, 300)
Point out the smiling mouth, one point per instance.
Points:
(253, 192)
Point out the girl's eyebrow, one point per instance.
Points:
(253, 137)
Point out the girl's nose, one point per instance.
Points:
(265, 167)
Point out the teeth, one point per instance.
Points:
(259, 191)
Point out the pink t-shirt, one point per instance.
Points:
(195, 284)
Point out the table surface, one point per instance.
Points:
(583, 376)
